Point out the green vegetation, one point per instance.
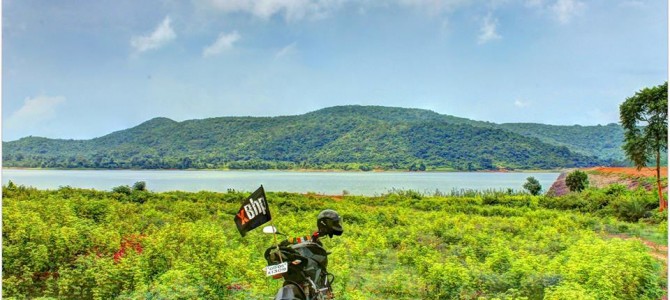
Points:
(648, 108)
(532, 186)
(601, 141)
(134, 244)
(346, 137)
(577, 181)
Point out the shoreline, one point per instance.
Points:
(295, 170)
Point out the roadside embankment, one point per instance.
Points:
(601, 177)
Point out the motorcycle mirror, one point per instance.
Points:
(270, 230)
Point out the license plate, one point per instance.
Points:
(276, 269)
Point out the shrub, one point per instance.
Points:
(614, 269)
(597, 199)
(566, 202)
(568, 291)
(122, 189)
(447, 280)
(365, 168)
(616, 189)
(532, 186)
(633, 207)
(140, 186)
(138, 196)
(64, 244)
(577, 181)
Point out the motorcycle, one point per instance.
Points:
(303, 268)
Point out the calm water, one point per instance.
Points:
(330, 183)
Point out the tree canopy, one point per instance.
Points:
(644, 118)
(532, 185)
(577, 181)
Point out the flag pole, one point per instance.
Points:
(274, 233)
(272, 223)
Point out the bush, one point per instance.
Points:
(633, 207)
(568, 291)
(532, 186)
(616, 189)
(365, 168)
(84, 244)
(657, 217)
(577, 181)
(614, 269)
(447, 280)
(122, 189)
(566, 202)
(140, 186)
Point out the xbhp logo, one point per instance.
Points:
(253, 209)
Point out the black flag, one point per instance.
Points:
(254, 212)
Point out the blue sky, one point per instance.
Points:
(83, 69)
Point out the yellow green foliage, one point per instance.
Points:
(86, 244)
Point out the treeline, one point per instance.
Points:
(348, 138)
(106, 162)
(130, 243)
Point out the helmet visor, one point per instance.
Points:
(336, 227)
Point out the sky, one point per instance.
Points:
(83, 69)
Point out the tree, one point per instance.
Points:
(577, 181)
(140, 186)
(532, 186)
(644, 118)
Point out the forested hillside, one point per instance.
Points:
(602, 141)
(344, 137)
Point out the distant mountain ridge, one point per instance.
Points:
(340, 137)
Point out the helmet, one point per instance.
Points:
(328, 223)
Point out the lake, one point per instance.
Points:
(329, 183)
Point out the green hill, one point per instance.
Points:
(343, 137)
(601, 141)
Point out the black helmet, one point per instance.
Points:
(328, 223)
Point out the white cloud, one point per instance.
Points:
(565, 10)
(488, 30)
(35, 111)
(159, 38)
(222, 43)
(286, 51)
(521, 103)
(292, 9)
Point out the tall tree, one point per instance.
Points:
(644, 118)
